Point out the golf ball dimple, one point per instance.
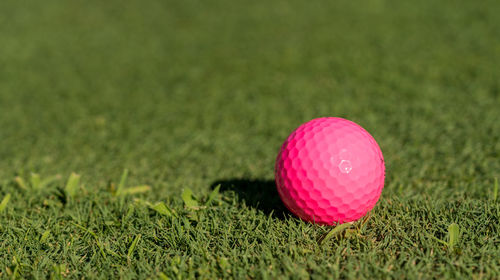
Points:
(330, 170)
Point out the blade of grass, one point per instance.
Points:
(335, 231)
(130, 211)
(45, 235)
(213, 195)
(162, 276)
(72, 185)
(15, 274)
(162, 209)
(187, 197)
(495, 190)
(21, 183)
(35, 181)
(439, 240)
(453, 235)
(123, 180)
(131, 249)
(4, 202)
(135, 190)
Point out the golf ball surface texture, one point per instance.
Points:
(330, 170)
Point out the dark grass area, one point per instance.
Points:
(194, 94)
(259, 194)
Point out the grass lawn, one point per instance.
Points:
(191, 95)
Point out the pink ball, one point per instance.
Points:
(329, 171)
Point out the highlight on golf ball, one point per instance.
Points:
(330, 171)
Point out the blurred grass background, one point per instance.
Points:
(185, 94)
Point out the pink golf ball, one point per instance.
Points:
(330, 171)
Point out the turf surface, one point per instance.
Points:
(196, 94)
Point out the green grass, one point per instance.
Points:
(196, 94)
